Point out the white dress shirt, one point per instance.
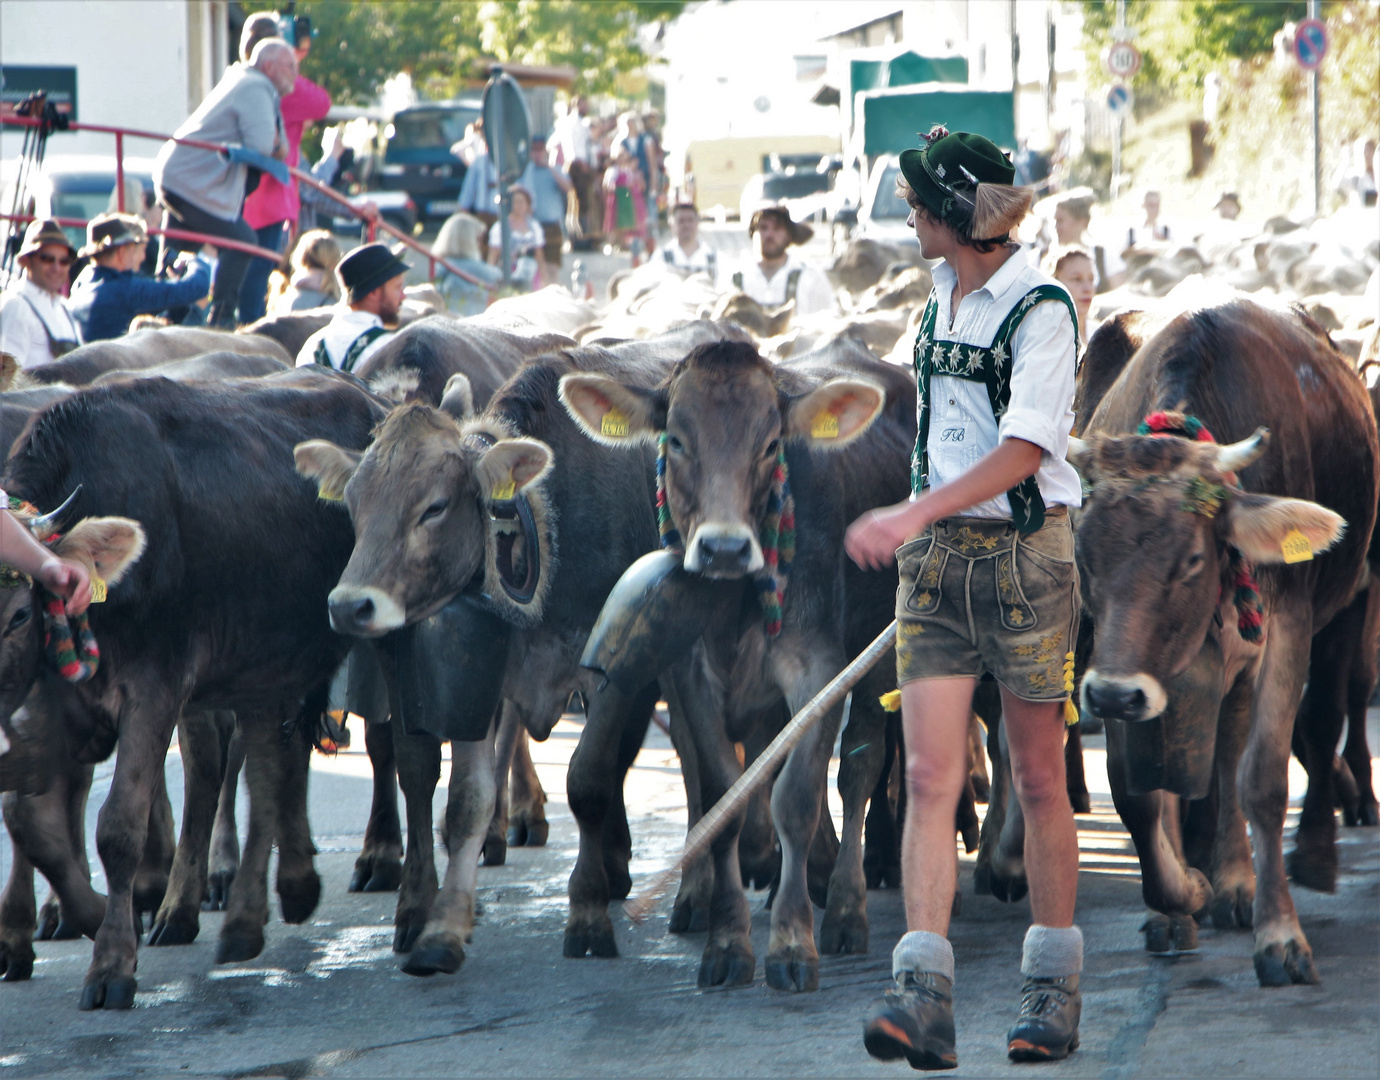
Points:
(704, 259)
(340, 333)
(812, 292)
(22, 326)
(963, 429)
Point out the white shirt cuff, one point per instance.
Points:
(1031, 425)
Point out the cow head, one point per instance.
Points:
(1153, 550)
(421, 498)
(724, 414)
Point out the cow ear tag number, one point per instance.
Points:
(98, 590)
(825, 425)
(1296, 547)
(614, 425)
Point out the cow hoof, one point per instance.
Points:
(1082, 802)
(298, 896)
(1233, 909)
(843, 933)
(793, 970)
(66, 931)
(112, 993)
(1314, 868)
(727, 965)
(440, 954)
(882, 875)
(1281, 964)
(406, 931)
(49, 920)
(591, 941)
(218, 884)
(1170, 934)
(524, 833)
(956, 908)
(238, 944)
(1008, 888)
(376, 873)
(688, 918)
(1370, 814)
(495, 850)
(1157, 936)
(178, 928)
(16, 961)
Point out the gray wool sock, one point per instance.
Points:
(919, 950)
(1052, 952)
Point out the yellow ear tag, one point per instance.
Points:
(825, 425)
(614, 425)
(98, 590)
(504, 490)
(330, 496)
(1296, 547)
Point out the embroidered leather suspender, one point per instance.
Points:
(792, 280)
(992, 367)
(322, 357)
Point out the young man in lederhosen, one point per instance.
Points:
(987, 583)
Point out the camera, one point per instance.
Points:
(294, 28)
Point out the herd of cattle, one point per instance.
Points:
(451, 520)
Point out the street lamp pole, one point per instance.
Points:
(1314, 77)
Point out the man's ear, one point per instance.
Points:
(834, 414)
(329, 465)
(608, 411)
(1266, 529)
(109, 545)
(510, 465)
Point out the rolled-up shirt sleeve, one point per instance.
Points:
(1042, 380)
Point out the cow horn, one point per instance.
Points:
(1077, 451)
(1236, 456)
(45, 525)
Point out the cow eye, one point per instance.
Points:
(18, 619)
(1195, 563)
(675, 444)
(772, 448)
(434, 511)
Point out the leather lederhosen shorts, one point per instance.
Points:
(975, 595)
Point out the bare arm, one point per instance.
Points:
(63, 577)
(872, 540)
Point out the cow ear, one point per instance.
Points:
(1266, 529)
(510, 465)
(1079, 454)
(834, 414)
(608, 411)
(329, 465)
(9, 368)
(109, 545)
(458, 398)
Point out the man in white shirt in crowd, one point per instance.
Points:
(779, 275)
(372, 278)
(572, 149)
(687, 253)
(36, 325)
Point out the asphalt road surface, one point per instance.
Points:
(327, 999)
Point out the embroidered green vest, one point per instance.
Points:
(990, 366)
(322, 357)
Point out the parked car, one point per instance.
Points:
(883, 213)
(79, 186)
(807, 191)
(418, 160)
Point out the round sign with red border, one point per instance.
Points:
(1122, 59)
(1310, 43)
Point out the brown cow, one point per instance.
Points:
(1162, 545)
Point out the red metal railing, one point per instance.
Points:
(372, 222)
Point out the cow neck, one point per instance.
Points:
(776, 534)
(68, 642)
(1204, 499)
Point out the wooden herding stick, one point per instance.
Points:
(708, 828)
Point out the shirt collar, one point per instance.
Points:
(351, 317)
(33, 289)
(1007, 275)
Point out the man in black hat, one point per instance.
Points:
(778, 275)
(371, 277)
(36, 325)
(987, 583)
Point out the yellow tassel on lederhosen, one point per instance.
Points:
(891, 702)
(1070, 709)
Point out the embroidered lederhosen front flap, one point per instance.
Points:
(990, 366)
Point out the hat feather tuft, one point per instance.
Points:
(998, 209)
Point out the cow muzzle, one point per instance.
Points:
(1123, 697)
(364, 611)
(723, 551)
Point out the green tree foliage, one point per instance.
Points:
(441, 45)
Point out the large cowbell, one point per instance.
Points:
(655, 613)
(450, 670)
(1175, 750)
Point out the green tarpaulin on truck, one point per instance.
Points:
(893, 120)
(904, 69)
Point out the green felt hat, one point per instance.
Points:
(966, 181)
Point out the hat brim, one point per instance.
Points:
(800, 233)
(110, 243)
(39, 243)
(912, 165)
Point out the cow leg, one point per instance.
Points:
(977, 758)
(496, 842)
(690, 912)
(146, 726)
(792, 959)
(18, 921)
(1077, 780)
(298, 884)
(1232, 874)
(1356, 754)
(1000, 868)
(419, 771)
(882, 848)
(224, 861)
(862, 756)
(594, 789)
(469, 809)
(53, 924)
(1282, 954)
(379, 866)
(179, 918)
(728, 959)
(527, 826)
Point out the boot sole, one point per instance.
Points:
(887, 1042)
(1024, 1050)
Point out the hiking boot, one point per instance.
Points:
(915, 1021)
(1047, 1029)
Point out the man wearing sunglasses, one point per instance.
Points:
(36, 325)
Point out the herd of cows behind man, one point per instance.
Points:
(454, 517)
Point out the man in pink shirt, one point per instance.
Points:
(271, 209)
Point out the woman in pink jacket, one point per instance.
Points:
(271, 209)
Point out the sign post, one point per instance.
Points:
(507, 132)
(1310, 47)
(1122, 61)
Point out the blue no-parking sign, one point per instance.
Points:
(1310, 43)
(1119, 99)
